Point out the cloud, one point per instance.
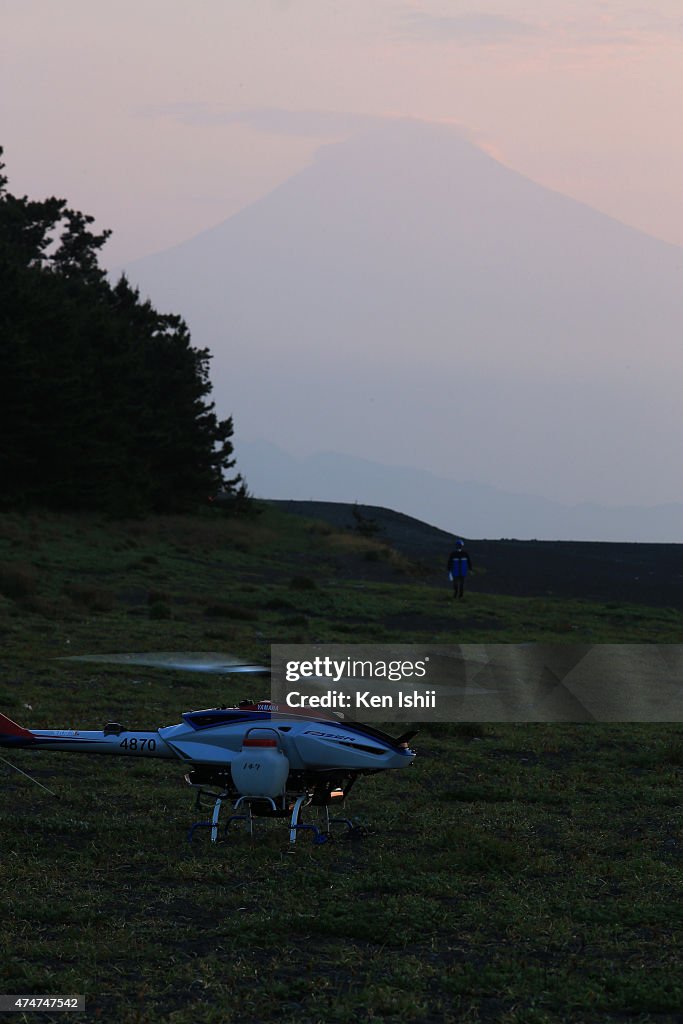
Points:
(273, 120)
(469, 27)
(589, 26)
(324, 125)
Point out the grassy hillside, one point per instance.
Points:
(523, 874)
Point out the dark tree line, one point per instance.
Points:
(104, 403)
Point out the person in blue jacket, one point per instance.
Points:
(459, 564)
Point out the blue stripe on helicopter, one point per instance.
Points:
(71, 739)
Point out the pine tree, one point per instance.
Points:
(104, 401)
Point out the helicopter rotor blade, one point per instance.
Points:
(210, 662)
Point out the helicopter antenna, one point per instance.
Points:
(22, 772)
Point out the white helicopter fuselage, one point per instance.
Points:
(215, 737)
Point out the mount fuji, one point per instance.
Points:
(410, 300)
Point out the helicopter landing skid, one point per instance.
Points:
(244, 803)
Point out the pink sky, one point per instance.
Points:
(163, 118)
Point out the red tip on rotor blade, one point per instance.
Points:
(10, 728)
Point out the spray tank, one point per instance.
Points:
(261, 768)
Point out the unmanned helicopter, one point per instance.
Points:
(265, 760)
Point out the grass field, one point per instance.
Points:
(521, 873)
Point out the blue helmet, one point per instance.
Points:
(459, 544)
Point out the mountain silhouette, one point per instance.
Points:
(408, 299)
(475, 510)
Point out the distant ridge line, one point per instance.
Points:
(618, 572)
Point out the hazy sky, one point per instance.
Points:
(163, 118)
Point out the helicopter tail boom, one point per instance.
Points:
(112, 740)
(12, 734)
